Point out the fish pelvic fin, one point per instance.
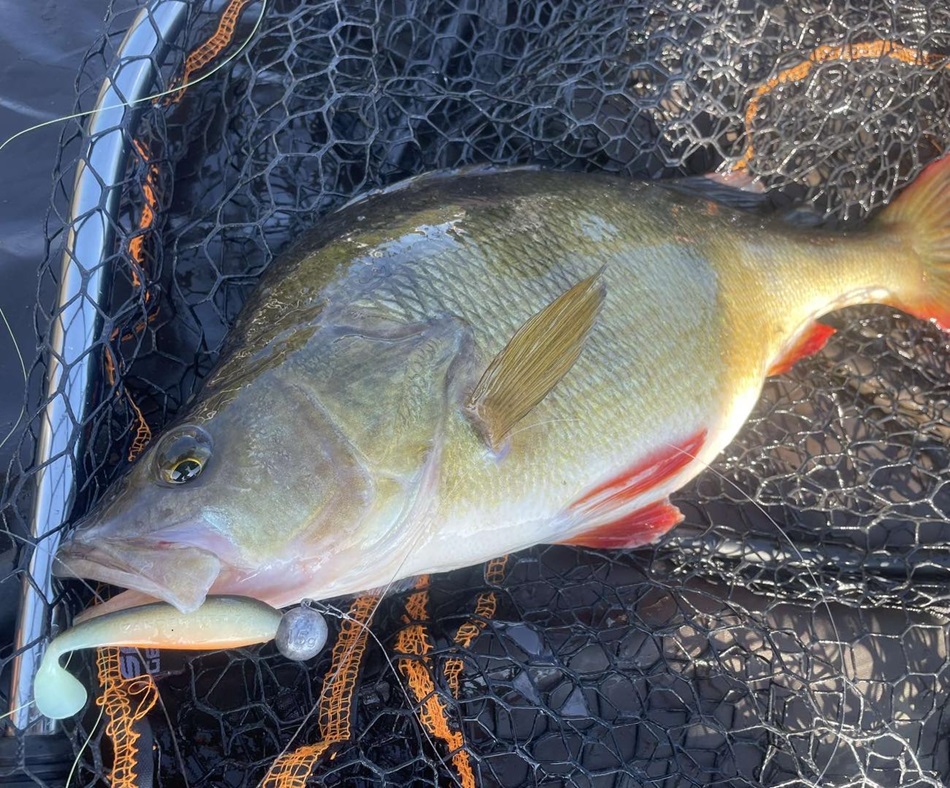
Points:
(659, 468)
(619, 512)
(634, 529)
(922, 215)
(539, 354)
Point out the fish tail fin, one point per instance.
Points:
(922, 215)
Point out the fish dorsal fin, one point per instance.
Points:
(534, 360)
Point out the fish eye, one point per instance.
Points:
(182, 454)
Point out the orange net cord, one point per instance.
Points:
(109, 363)
(128, 700)
(146, 219)
(292, 769)
(206, 52)
(828, 53)
(136, 249)
(485, 606)
(197, 59)
(125, 702)
(413, 658)
(143, 433)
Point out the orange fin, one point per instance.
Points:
(810, 342)
(921, 216)
(659, 467)
(634, 529)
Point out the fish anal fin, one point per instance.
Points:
(538, 355)
(813, 339)
(634, 529)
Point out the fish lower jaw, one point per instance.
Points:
(85, 570)
(181, 577)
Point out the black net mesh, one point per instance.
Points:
(792, 631)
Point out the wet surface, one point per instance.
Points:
(42, 46)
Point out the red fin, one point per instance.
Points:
(929, 311)
(809, 343)
(635, 529)
(645, 475)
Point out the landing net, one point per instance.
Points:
(793, 631)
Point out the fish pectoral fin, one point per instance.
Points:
(634, 529)
(538, 355)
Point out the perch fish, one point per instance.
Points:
(475, 363)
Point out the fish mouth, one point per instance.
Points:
(180, 575)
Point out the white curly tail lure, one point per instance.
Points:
(222, 622)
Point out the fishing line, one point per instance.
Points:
(339, 613)
(171, 729)
(412, 544)
(85, 114)
(805, 563)
(82, 749)
(25, 375)
(16, 347)
(18, 709)
(336, 612)
(154, 97)
(329, 680)
(839, 642)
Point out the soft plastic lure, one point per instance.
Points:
(222, 622)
